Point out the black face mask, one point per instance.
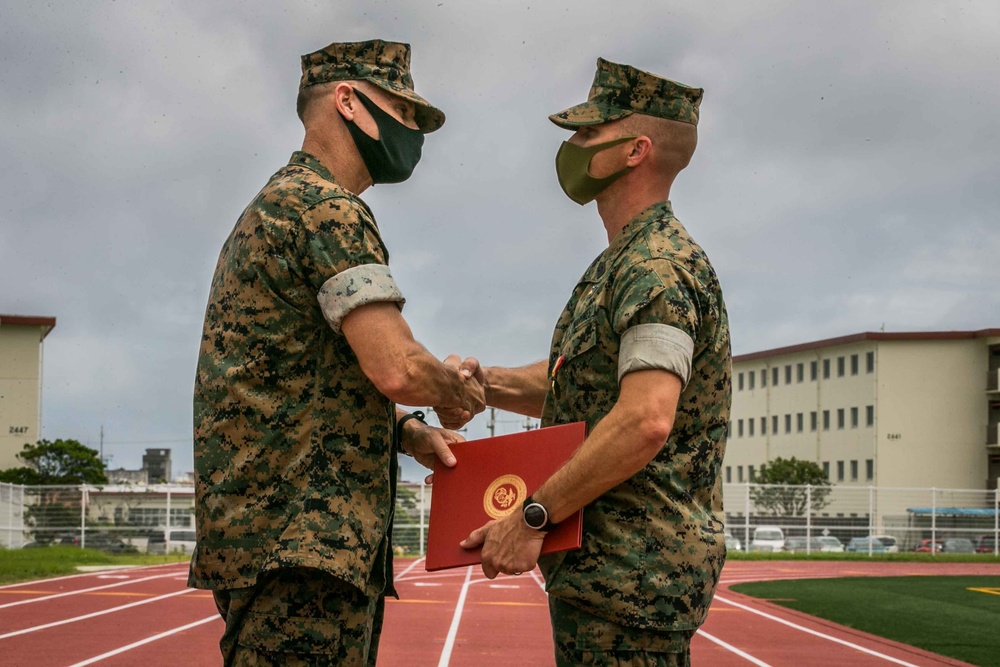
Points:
(392, 157)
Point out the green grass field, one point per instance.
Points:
(27, 564)
(944, 615)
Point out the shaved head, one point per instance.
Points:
(674, 141)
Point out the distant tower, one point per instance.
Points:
(157, 464)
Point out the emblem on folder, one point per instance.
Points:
(504, 495)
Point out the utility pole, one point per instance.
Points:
(102, 446)
(527, 424)
(492, 423)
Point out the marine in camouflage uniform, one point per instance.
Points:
(294, 442)
(643, 338)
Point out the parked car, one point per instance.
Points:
(959, 545)
(830, 543)
(986, 544)
(180, 540)
(929, 546)
(865, 545)
(802, 544)
(767, 538)
(109, 543)
(732, 543)
(890, 543)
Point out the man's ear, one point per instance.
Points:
(640, 151)
(345, 100)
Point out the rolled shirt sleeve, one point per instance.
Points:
(656, 347)
(357, 286)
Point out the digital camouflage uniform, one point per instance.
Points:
(653, 547)
(295, 465)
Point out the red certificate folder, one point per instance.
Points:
(492, 478)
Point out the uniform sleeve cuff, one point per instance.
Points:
(656, 347)
(357, 286)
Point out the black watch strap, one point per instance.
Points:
(536, 516)
(398, 435)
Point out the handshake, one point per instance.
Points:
(470, 399)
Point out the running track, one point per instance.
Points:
(147, 616)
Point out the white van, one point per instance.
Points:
(180, 540)
(767, 538)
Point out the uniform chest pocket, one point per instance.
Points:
(582, 337)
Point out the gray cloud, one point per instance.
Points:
(845, 179)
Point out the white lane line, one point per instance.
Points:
(113, 576)
(76, 576)
(84, 590)
(538, 579)
(817, 634)
(449, 643)
(735, 650)
(94, 614)
(409, 567)
(425, 584)
(148, 640)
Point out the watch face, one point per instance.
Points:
(534, 516)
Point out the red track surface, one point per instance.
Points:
(148, 617)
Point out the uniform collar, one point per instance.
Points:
(623, 238)
(311, 162)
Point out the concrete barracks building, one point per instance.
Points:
(21, 357)
(873, 409)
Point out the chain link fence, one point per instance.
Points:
(127, 518)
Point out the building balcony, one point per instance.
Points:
(993, 435)
(993, 381)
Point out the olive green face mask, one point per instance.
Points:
(573, 170)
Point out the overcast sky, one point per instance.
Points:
(846, 178)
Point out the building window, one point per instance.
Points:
(800, 372)
(854, 471)
(813, 368)
(739, 428)
(763, 425)
(812, 421)
(774, 424)
(729, 474)
(788, 373)
(750, 424)
(869, 415)
(854, 417)
(788, 423)
(753, 376)
(826, 420)
(826, 470)
(869, 469)
(799, 422)
(750, 474)
(739, 382)
(840, 367)
(739, 473)
(826, 369)
(840, 419)
(840, 471)
(763, 378)
(870, 362)
(774, 376)
(854, 364)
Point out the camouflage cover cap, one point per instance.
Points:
(621, 90)
(385, 64)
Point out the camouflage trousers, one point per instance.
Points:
(299, 617)
(584, 639)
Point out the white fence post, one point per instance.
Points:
(996, 519)
(746, 519)
(423, 510)
(83, 517)
(809, 489)
(933, 521)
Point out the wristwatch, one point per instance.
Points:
(536, 516)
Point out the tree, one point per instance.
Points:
(789, 486)
(57, 462)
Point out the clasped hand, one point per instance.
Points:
(473, 390)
